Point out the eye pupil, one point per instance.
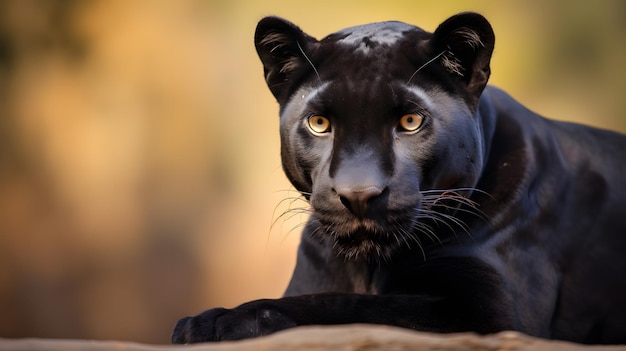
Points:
(318, 125)
(411, 122)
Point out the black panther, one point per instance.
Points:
(438, 203)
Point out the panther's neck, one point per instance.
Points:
(507, 166)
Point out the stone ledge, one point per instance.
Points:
(330, 338)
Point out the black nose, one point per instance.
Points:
(358, 200)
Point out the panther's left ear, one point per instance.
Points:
(282, 48)
(466, 42)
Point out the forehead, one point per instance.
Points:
(340, 97)
(369, 36)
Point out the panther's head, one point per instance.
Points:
(378, 122)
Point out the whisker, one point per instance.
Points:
(463, 189)
(449, 217)
(310, 63)
(289, 213)
(293, 191)
(464, 204)
(289, 210)
(428, 231)
(473, 207)
(291, 200)
(414, 238)
(285, 235)
(444, 219)
(424, 65)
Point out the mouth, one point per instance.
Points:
(366, 239)
(363, 244)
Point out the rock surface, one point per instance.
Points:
(344, 338)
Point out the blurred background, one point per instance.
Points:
(139, 152)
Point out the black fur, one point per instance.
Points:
(486, 218)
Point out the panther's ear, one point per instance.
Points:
(465, 42)
(281, 45)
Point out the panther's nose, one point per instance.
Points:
(358, 200)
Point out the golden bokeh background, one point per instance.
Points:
(139, 152)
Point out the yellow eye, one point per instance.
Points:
(411, 122)
(319, 124)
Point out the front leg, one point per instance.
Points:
(417, 312)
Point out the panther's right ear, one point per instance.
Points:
(282, 47)
(466, 42)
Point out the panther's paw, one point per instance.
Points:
(222, 324)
